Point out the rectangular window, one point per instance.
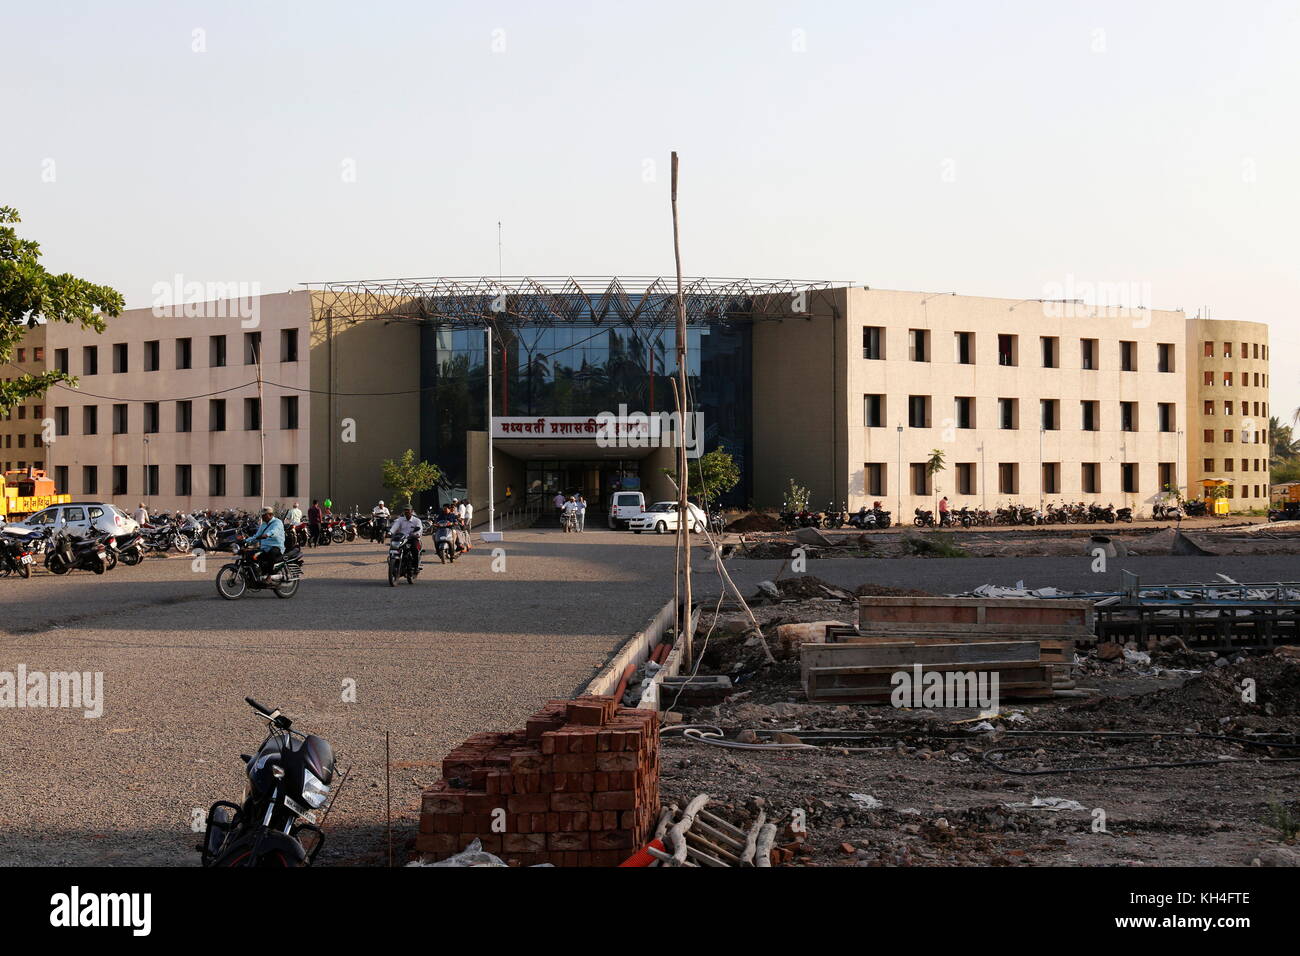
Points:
(152, 354)
(184, 353)
(289, 481)
(1227, 408)
(1051, 477)
(1208, 437)
(1088, 354)
(1009, 413)
(289, 412)
(183, 481)
(918, 345)
(61, 360)
(119, 419)
(1008, 478)
(185, 416)
(873, 411)
(1229, 464)
(119, 480)
(217, 351)
(89, 479)
(151, 417)
(873, 342)
(964, 343)
(252, 481)
(1129, 478)
(289, 346)
(1090, 481)
(1167, 422)
(1165, 357)
(1207, 465)
(1050, 409)
(90, 420)
(90, 360)
(1128, 356)
(1090, 416)
(60, 420)
(1227, 350)
(918, 411)
(1209, 350)
(151, 480)
(217, 481)
(252, 414)
(1227, 379)
(252, 348)
(965, 411)
(920, 479)
(1209, 378)
(217, 415)
(1128, 416)
(874, 474)
(121, 357)
(1227, 435)
(966, 478)
(1051, 351)
(1008, 350)
(1208, 407)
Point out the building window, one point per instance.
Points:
(918, 345)
(1051, 348)
(1227, 379)
(1209, 350)
(1227, 435)
(874, 474)
(150, 417)
(918, 411)
(252, 481)
(1008, 478)
(22, 356)
(121, 357)
(1207, 465)
(1209, 378)
(1166, 412)
(1050, 409)
(119, 480)
(1227, 349)
(1208, 407)
(1090, 416)
(217, 351)
(921, 484)
(252, 348)
(152, 355)
(1128, 473)
(89, 479)
(873, 411)
(1089, 477)
(183, 481)
(1008, 350)
(119, 420)
(217, 481)
(217, 415)
(61, 360)
(184, 353)
(1128, 416)
(1165, 357)
(1229, 464)
(185, 416)
(1227, 407)
(965, 411)
(151, 480)
(965, 478)
(1009, 413)
(289, 481)
(873, 342)
(289, 412)
(1051, 477)
(1208, 437)
(90, 420)
(1128, 356)
(1088, 354)
(60, 420)
(288, 345)
(90, 360)
(252, 414)
(965, 347)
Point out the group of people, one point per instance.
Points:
(459, 515)
(572, 507)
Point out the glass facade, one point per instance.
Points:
(582, 369)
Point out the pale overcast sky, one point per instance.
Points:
(1006, 148)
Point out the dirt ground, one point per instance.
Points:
(930, 788)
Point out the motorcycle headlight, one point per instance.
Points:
(314, 792)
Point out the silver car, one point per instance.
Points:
(78, 519)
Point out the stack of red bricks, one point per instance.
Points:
(578, 787)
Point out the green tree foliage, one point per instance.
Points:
(409, 477)
(30, 294)
(711, 475)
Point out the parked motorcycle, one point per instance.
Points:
(833, 517)
(244, 574)
(66, 553)
(923, 519)
(403, 558)
(128, 548)
(275, 824)
(17, 555)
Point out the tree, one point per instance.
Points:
(933, 466)
(711, 475)
(29, 294)
(408, 477)
(1284, 445)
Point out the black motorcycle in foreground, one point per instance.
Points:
(17, 555)
(245, 574)
(275, 824)
(403, 558)
(66, 553)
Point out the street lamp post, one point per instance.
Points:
(900, 473)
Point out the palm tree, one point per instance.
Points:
(1283, 444)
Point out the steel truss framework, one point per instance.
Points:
(514, 301)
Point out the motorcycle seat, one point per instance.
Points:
(293, 554)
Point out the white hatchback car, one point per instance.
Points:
(661, 518)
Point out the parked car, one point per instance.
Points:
(624, 506)
(79, 518)
(661, 518)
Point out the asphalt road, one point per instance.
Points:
(466, 649)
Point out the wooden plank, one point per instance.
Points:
(906, 654)
(887, 629)
(974, 611)
(875, 684)
(1054, 649)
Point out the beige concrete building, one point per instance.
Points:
(21, 431)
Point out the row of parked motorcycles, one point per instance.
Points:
(1064, 513)
(837, 517)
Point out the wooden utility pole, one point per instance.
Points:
(683, 512)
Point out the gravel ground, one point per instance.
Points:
(464, 650)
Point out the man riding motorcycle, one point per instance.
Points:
(270, 541)
(408, 524)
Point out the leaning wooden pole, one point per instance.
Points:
(683, 409)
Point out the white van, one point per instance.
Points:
(624, 506)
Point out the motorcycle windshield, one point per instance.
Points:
(320, 757)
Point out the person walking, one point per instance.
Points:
(559, 505)
(141, 515)
(943, 512)
(466, 514)
(315, 518)
(582, 513)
